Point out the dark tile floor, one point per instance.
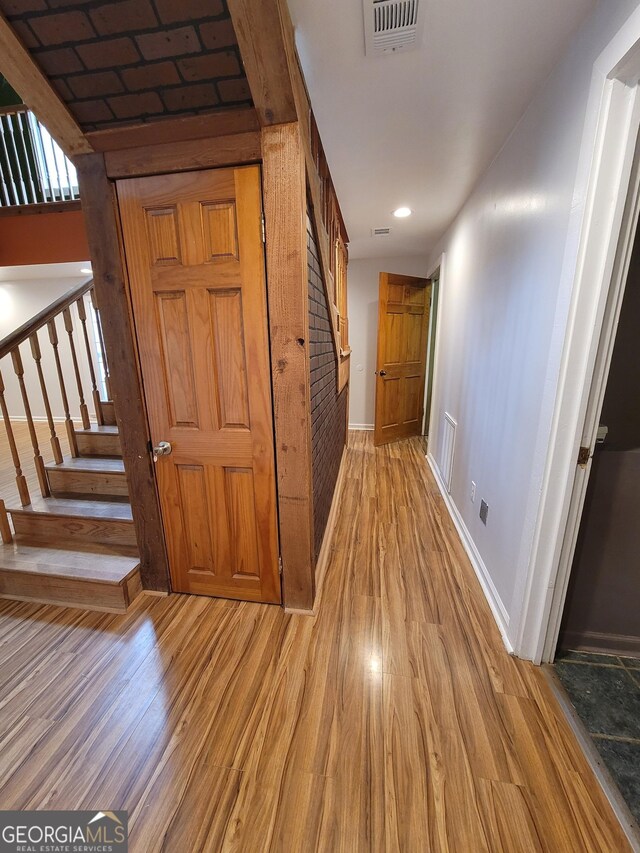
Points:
(605, 691)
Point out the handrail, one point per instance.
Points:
(12, 109)
(76, 341)
(41, 319)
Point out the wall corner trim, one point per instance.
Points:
(498, 609)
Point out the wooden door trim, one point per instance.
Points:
(185, 156)
(387, 279)
(285, 207)
(112, 293)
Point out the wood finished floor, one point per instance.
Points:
(393, 720)
(8, 490)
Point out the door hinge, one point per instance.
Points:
(584, 454)
(264, 231)
(279, 565)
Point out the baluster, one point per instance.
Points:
(71, 435)
(21, 483)
(21, 119)
(105, 362)
(84, 411)
(15, 159)
(38, 146)
(5, 527)
(37, 356)
(11, 186)
(38, 461)
(82, 313)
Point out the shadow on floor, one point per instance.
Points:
(605, 691)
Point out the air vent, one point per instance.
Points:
(391, 26)
(380, 232)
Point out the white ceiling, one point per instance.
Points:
(39, 272)
(420, 128)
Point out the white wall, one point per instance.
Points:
(24, 292)
(509, 266)
(363, 328)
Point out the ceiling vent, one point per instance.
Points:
(380, 232)
(391, 26)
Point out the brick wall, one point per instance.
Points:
(328, 408)
(117, 62)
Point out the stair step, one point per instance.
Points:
(90, 579)
(98, 478)
(47, 519)
(108, 412)
(99, 441)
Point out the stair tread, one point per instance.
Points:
(94, 464)
(72, 507)
(97, 429)
(102, 567)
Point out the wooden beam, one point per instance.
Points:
(101, 217)
(185, 156)
(285, 208)
(259, 31)
(214, 124)
(17, 65)
(303, 112)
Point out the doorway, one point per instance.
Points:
(602, 607)
(403, 325)
(194, 253)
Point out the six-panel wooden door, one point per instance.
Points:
(194, 254)
(403, 327)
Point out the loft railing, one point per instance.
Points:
(33, 167)
(73, 315)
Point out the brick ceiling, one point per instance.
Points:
(129, 61)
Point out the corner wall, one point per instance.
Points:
(510, 261)
(363, 328)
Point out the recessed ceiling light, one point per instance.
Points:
(86, 271)
(401, 212)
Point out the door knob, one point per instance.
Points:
(163, 448)
(382, 373)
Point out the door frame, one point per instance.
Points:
(439, 265)
(279, 150)
(427, 308)
(432, 342)
(606, 196)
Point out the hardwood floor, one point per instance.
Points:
(393, 720)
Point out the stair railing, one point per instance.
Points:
(33, 167)
(37, 336)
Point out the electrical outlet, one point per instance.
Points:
(484, 512)
(473, 491)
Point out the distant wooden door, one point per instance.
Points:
(403, 324)
(194, 253)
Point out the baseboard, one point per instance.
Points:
(498, 609)
(325, 551)
(600, 771)
(367, 427)
(592, 641)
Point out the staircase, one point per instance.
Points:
(73, 544)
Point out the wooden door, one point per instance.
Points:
(194, 253)
(403, 325)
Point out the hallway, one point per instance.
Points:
(393, 720)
